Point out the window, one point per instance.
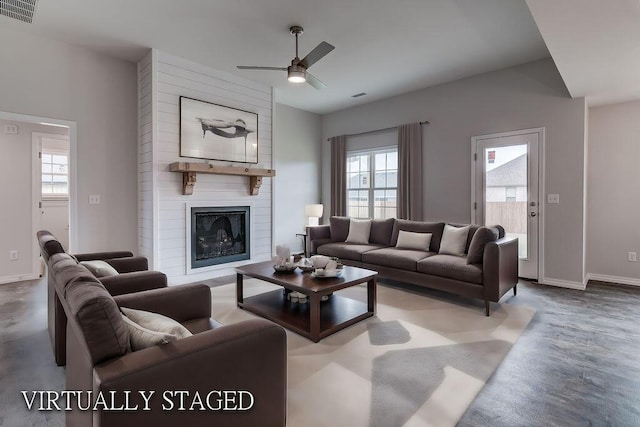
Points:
(510, 194)
(372, 183)
(55, 174)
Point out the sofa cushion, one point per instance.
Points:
(359, 230)
(452, 267)
(381, 230)
(454, 240)
(99, 319)
(339, 226)
(481, 237)
(343, 250)
(435, 228)
(417, 241)
(404, 259)
(100, 268)
(147, 329)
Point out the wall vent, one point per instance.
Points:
(22, 10)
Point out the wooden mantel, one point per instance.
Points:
(190, 170)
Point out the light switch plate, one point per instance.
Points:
(94, 199)
(553, 198)
(11, 129)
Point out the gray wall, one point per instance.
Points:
(46, 78)
(15, 188)
(613, 192)
(526, 96)
(297, 154)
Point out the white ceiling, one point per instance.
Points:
(595, 45)
(384, 48)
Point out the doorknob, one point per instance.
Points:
(532, 214)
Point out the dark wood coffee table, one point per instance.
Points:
(315, 319)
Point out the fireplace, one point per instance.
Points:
(219, 235)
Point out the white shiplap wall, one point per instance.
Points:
(174, 77)
(145, 159)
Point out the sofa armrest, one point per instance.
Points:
(91, 256)
(319, 236)
(250, 356)
(128, 264)
(181, 303)
(500, 267)
(136, 281)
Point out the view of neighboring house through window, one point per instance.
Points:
(372, 182)
(55, 174)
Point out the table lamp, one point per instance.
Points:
(314, 212)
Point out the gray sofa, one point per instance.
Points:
(489, 277)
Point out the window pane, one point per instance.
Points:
(352, 164)
(62, 160)
(59, 178)
(47, 179)
(392, 178)
(392, 160)
(381, 161)
(381, 180)
(46, 158)
(46, 188)
(353, 180)
(58, 168)
(364, 162)
(46, 168)
(60, 188)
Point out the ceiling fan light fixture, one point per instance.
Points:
(296, 74)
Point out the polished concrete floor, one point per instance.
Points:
(577, 364)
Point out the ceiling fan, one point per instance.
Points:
(297, 71)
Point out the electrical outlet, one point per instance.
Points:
(631, 257)
(13, 255)
(553, 198)
(94, 199)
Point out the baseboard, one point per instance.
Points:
(613, 279)
(563, 283)
(18, 278)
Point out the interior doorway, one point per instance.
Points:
(506, 190)
(40, 195)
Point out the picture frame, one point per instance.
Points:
(216, 132)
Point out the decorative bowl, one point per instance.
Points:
(287, 267)
(305, 265)
(321, 273)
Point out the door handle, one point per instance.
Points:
(532, 214)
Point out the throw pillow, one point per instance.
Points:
(481, 237)
(100, 268)
(156, 322)
(418, 241)
(454, 240)
(140, 337)
(359, 230)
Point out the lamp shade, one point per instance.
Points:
(314, 211)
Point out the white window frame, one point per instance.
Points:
(371, 189)
(55, 152)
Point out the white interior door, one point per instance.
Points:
(51, 184)
(505, 183)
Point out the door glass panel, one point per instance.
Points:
(506, 192)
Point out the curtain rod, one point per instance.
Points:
(426, 122)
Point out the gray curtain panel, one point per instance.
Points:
(339, 175)
(410, 171)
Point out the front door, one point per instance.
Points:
(506, 189)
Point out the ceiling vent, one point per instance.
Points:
(22, 10)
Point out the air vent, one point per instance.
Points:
(22, 10)
(358, 95)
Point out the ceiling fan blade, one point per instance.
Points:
(316, 54)
(251, 67)
(314, 81)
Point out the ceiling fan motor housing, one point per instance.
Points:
(296, 73)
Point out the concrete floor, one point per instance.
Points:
(577, 364)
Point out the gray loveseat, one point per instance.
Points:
(493, 272)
